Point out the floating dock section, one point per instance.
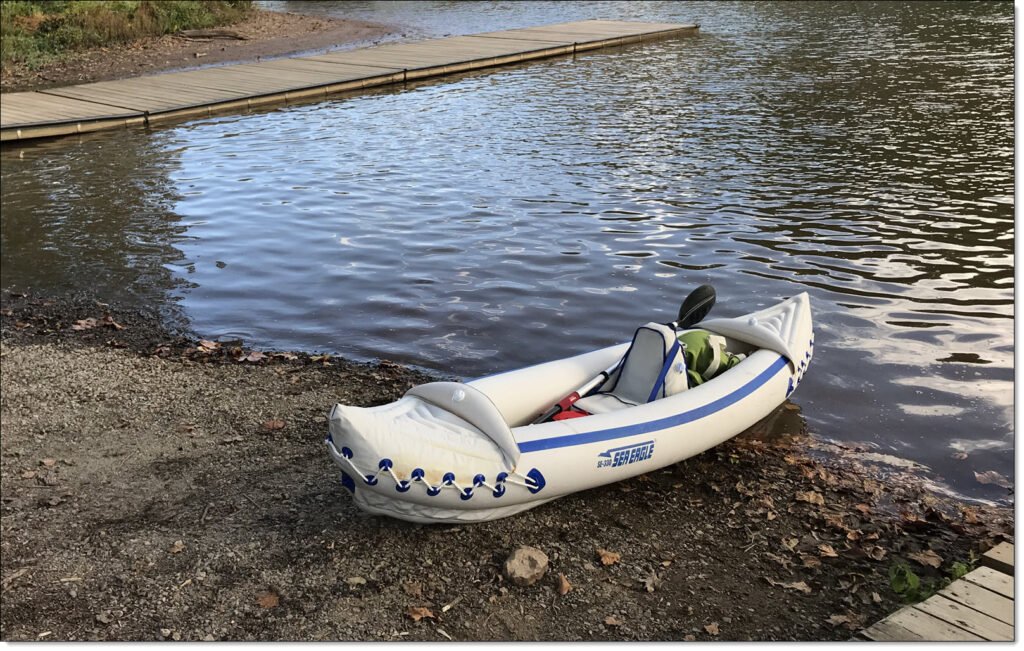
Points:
(205, 91)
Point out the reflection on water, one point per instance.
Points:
(861, 152)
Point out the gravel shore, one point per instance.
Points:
(154, 487)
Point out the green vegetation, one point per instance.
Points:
(912, 589)
(33, 32)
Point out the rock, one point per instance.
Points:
(103, 618)
(526, 565)
(165, 632)
(355, 581)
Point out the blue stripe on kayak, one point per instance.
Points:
(661, 423)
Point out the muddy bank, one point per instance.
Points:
(154, 487)
(268, 34)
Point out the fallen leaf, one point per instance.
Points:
(254, 356)
(666, 563)
(206, 346)
(927, 557)
(416, 613)
(268, 599)
(607, 557)
(84, 324)
(651, 582)
(810, 561)
(876, 553)
(711, 628)
(49, 463)
(689, 637)
(178, 547)
(413, 589)
(797, 585)
(790, 543)
(109, 321)
(813, 497)
(970, 515)
(993, 477)
(612, 620)
(836, 620)
(563, 585)
(288, 356)
(771, 515)
(28, 474)
(827, 551)
(876, 598)
(863, 508)
(959, 455)
(274, 424)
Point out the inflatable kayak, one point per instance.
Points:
(474, 451)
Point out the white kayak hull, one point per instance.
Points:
(399, 462)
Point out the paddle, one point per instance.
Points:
(695, 307)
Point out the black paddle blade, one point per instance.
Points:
(696, 306)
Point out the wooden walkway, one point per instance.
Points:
(155, 98)
(975, 608)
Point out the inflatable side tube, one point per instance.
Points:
(784, 328)
(474, 407)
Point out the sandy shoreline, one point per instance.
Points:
(270, 35)
(145, 497)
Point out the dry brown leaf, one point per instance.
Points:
(178, 547)
(863, 508)
(836, 620)
(48, 462)
(827, 551)
(771, 516)
(612, 620)
(993, 477)
(666, 563)
(712, 628)
(812, 497)
(927, 557)
(413, 589)
(796, 585)
(607, 557)
(790, 543)
(876, 553)
(416, 613)
(206, 346)
(109, 321)
(254, 356)
(959, 455)
(563, 585)
(268, 599)
(853, 534)
(875, 597)
(288, 356)
(652, 582)
(970, 515)
(810, 561)
(84, 324)
(274, 424)
(28, 474)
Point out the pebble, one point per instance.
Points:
(526, 565)
(103, 618)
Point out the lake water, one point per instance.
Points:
(860, 152)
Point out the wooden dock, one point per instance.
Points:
(976, 608)
(170, 96)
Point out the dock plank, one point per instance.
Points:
(151, 98)
(34, 107)
(980, 599)
(999, 558)
(929, 627)
(995, 581)
(971, 620)
(889, 631)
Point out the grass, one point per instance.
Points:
(34, 32)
